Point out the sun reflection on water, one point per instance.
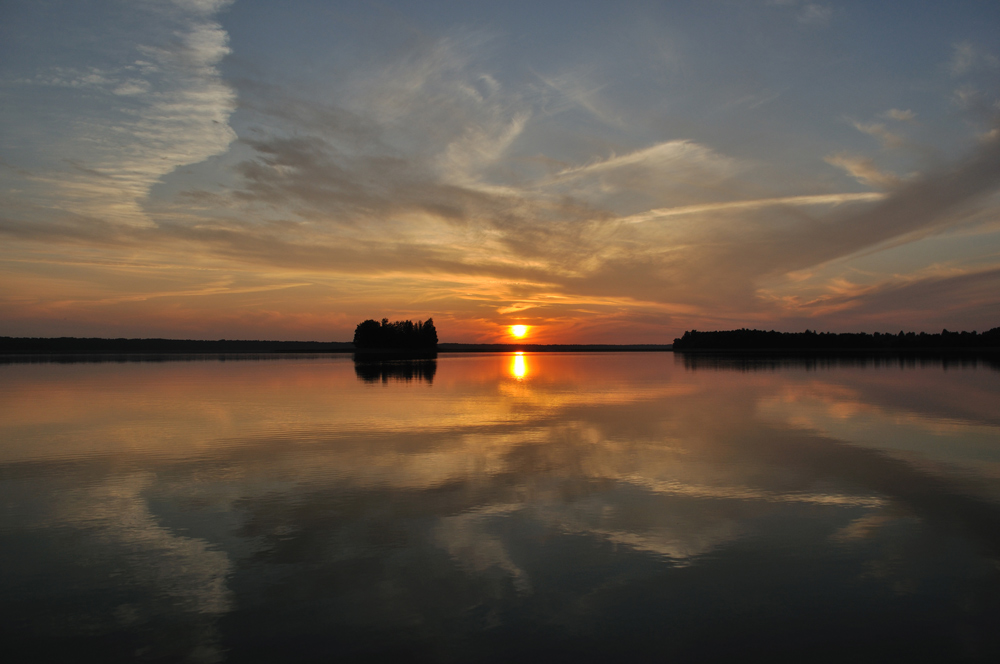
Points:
(518, 369)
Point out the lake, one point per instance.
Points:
(501, 507)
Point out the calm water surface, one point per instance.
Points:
(498, 507)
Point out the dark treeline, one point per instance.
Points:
(94, 346)
(760, 340)
(400, 334)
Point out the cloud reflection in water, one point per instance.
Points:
(614, 502)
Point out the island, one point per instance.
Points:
(395, 336)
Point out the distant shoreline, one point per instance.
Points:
(704, 343)
(102, 346)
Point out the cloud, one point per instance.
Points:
(336, 188)
(755, 204)
(668, 156)
(132, 87)
(705, 261)
(808, 13)
(204, 7)
(575, 89)
(966, 56)
(980, 107)
(671, 171)
(165, 109)
(945, 297)
(917, 205)
(962, 58)
(864, 170)
(900, 115)
(879, 131)
(814, 14)
(517, 307)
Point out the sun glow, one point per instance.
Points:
(518, 330)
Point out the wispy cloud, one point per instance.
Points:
(944, 296)
(815, 14)
(669, 155)
(966, 56)
(879, 131)
(864, 170)
(575, 89)
(165, 108)
(900, 115)
(806, 13)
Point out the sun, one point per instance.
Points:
(518, 330)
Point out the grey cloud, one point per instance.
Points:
(67, 227)
(879, 131)
(344, 188)
(814, 14)
(808, 13)
(267, 100)
(939, 298)
(962, 58)
(900, 115)
(920, 205)
(967, 56)
(709, 261)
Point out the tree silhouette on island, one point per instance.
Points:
(397, 335)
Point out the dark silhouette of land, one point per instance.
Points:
(96, 346)
(810, 341)
(69, 346)
(409, 340)
(397, 335)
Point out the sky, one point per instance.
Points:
(600, 172)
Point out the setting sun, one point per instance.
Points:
(518, 330)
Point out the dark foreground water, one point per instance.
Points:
(551, 507)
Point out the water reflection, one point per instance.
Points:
(91, 358)
(766, 361)
(613, 505)
(518, 368)
(378, 369)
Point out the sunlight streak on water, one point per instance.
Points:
(518, 368)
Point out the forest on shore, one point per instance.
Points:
(746, 339)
